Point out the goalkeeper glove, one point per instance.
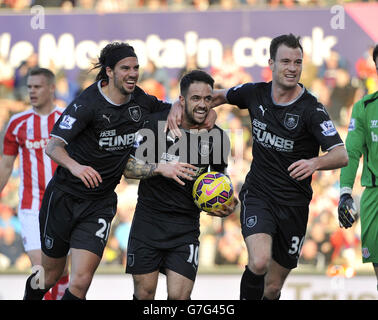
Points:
(347, 211)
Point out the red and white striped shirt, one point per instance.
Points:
(27, 134)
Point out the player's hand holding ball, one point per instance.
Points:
(225, 210)
(213, 192)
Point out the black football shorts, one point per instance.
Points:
(173, 251)
(67, 221)
(286, 224)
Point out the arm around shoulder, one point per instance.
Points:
(219, 97)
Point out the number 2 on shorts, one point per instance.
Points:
(104, 226)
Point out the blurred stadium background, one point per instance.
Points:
(229, 39)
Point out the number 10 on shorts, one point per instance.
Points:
(193, 255)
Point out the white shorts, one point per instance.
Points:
(30, 229)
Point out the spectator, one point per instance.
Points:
(320, 235)
(106, 6)
(343, 96)
(230, 244)
(67, 5)
(266, 74)
(11, 245)
(21, 75)
(365, 66)
(84, 80)
(66, 90)
(309, 254)
(201, 5)
(112, 253)
(229, 73)
(285, 3)
(6, 79)
(328, 71)
(86, 4)
(344, 241)
(191, 64)
(8, 219)
(310, 71)
(155, 80)
(47, 3)
(122, 231)
(366, 72)
(178, 4)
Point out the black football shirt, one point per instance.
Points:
(282, 135)
(164, 198)
(101, 134)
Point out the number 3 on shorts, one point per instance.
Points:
(296, 245)
(104, 227)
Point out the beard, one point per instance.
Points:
(189, 116)
(118, 84)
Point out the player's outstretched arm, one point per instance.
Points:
(6, 167)
(55, 149)
(137, 169)
(333, 159)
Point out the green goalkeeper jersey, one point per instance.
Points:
(362, 139)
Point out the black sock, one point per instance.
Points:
(168, 298)
(69, 296)
(251, 285)
(32, 293)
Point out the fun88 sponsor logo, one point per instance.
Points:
(36, 144)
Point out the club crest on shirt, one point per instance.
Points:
(365, 253)
(130, 259)
(204, 148)
(135, 113)
(291, 121)
(251, 221)
(49, 242)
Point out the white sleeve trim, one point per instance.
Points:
(53, 135)
(335, 145)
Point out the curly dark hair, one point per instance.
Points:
(105, 53)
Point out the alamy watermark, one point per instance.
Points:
(202, 147)
(338, 17)
(38, 17)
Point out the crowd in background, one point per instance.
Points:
(109, 6)
(326, 244)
